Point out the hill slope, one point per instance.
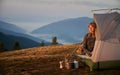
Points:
(43, 61)
(34, 61)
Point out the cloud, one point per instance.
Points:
(46, 6)
(96, 3)
(52, 8)
(47, 11)
(100, 3)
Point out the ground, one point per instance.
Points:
(44, 61)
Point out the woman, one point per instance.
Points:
(89, 39)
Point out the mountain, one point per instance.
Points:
(11, 27)
(9, 40)
(67, 31)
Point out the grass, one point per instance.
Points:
(43, 61)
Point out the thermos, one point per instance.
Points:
(76, 65)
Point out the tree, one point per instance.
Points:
(54, 41)
(16, 46)
(2, 49)
(1, 45)
(42, 43)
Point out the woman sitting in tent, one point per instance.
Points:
(88, 41)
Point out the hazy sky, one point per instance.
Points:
(32, 14)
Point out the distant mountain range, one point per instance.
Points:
(10, 33)
(67, 31)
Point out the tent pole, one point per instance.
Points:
(106, 9)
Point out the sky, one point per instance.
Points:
(32, 14)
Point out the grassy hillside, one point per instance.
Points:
(43, 61)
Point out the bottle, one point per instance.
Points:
(67, 66)
(61, 64)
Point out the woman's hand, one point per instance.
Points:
(89, 53)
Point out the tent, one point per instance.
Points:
(106, 52)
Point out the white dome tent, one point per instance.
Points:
(106, 53)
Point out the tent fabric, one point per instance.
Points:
(114, 36)
(105, 24)
(107, 45)
(111, 52)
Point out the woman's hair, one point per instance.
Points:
(92, 24)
